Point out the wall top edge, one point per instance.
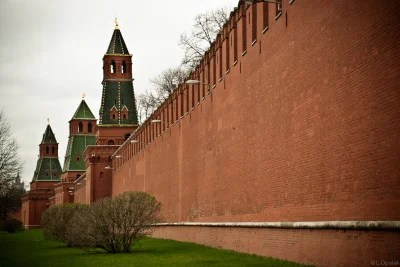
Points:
(355, 225)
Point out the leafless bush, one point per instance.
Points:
(115, 224)
(57, 220)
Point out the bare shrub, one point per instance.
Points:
(115, 224)
(58, 219)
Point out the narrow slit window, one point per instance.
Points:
(80, 127)
(47, 150)
(89, 127)
(123, 67)
(113, 66)
(52, 150)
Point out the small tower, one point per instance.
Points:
(48, 168)
(81, 135)
(46, 175)
(118, 114)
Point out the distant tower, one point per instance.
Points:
(46, 175)
(81, 135)
(118, 114)
(48, 168)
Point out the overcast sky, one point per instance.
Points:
(51, 53)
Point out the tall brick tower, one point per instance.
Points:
(118, 114)
(46, 175)
(81, 135)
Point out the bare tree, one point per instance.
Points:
(207, 26)
(168, 81)
(10, 166)
(115, 224)
(58, 219)
(146, 103)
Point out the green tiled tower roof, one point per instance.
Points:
(118, 95)
(48, 136)
(76, 145)
(83, 112)
(47, 169)
(117, 44)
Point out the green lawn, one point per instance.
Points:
(28, 248)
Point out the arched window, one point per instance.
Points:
(110, 142)
(47, 172)
(124, 116)
(47, 150)
(80, 127)
(113, 116)
(77, 176)
(89, 127)
(113, 66)
(78, 157)
(54, 173)
(123, 67)
(127, 136)
(101, 176)
(52, 150)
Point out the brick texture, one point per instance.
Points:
(305, 127)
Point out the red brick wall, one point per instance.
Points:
(303, 128)
(80, 191)
(307, 131)
(32, 210)
(98, 179)
(314, 247)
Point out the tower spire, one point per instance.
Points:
(116, 23)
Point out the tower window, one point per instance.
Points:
(89, 127)
(127, 136)
(47, 172)
(123, 67)
(113, 116)
(52, 150)
(113, 66)
(77, 176)
(125, 116)
(110, 142)
(78, 157)
(101, 176)
(47, 150)
(80, 127)
(54, 173)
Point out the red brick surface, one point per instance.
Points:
(305, 127)
(306, 131)
(314, 247)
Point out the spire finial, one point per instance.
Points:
(83, 96)
(48, 121)
(116, 23)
